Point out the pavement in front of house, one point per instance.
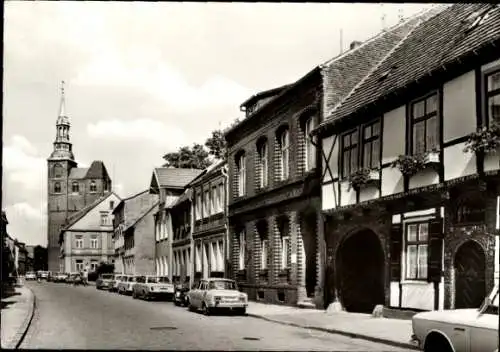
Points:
(80, 317)
(16, 314)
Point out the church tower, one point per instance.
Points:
(60, 163)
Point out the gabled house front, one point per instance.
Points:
(409, 192)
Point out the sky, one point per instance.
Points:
(143, 79)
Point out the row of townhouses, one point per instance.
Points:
(364, 182)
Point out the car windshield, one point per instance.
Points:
(222, 285)
(160, 279)
(107, 276)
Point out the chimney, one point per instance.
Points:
(354, 44)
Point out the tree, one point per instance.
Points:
(195, 157)
(105, 268)
(217, 144)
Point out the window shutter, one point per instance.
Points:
(435, 250)
(396, 246)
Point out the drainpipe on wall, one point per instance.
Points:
(226, 221)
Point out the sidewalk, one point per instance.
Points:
(16, 314)
(395, 332)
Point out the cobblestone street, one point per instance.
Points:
(84, 318)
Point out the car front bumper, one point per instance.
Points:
(228, 305)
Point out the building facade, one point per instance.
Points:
(87, 238)
(168, 184)
(210, 236)
(70, 188)
(133, 235)
(180, 215)
(274, 198)
(411, 212)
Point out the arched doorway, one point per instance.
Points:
(360, 272)
(470, 278)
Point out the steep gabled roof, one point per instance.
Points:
(170, 177)
(73, 219)
(438, 41)
(97, 170)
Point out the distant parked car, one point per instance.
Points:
(60, 277)
(30, 275)
(181, 295)
(43, 274)
(51, 276)
(126, 286)
(459, 330)
(115, 282)
(151, 287)
(72, 278)
(217, 294)
(104, 281)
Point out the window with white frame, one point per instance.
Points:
(79, 241)
(310, 149)
(285, 249)
(220, 256)
(197, 261)
(242, 174)
(493, 97)
(242, 249)
(425, 124)
(93, 264)
(265, 252)
(79, 265)
(104, 219)
(371, 145)
(75, 187)
(349, 156)
(417, 239)
(284, 145)
(222, 197)
(215, 206)
(198, 206)
(206, 204)
(263, 163)
(94, 244)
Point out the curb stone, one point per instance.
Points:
(340, 332)
(16, 341)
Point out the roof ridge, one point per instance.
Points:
(381, 61)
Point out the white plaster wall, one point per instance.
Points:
(333, 159)
(328, 200)
(368, 193)
(347, 196)
(459, 106)
(492, 161)
(457, 163)
(423, 178)
(392, 181)
(394, 134)
(394, 300)
(67, 264)
(420, 295)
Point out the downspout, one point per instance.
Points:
(226, 219)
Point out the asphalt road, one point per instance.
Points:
(69, 317)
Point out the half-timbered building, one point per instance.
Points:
(409, 190)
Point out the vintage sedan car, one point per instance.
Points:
(217, 294)
(151, 287)
(459, 330)
(126, 286)
(30, 275)
(104, 281)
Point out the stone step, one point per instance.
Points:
(306, 303)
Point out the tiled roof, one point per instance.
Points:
(73, 219)
(264, 94)
(78, 173)
(344, 72)
(175, 177)
(436, 42)
(209, 170)
(97, 170)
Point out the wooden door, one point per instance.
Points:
(470, 283)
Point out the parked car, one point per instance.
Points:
(127, 285)
(181, 295)
(459, 330)
(151, 287)
(50, 276)
(104, 281)
(43, 274)
(60, 277)
(114, 283)
(217, 294)
(72, 278)
(30, 275)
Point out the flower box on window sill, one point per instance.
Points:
(364, 178)
(485, 140)
(409, 165)
(431, 157)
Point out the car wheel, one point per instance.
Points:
(206, 310)
(437, 343)
(242, 311)
(134, 296)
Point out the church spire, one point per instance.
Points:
(62, 145)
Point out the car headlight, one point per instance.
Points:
(218, 298)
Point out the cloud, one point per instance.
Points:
(23, 165)
(138, 130)
(146, 71)
(27, 223)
